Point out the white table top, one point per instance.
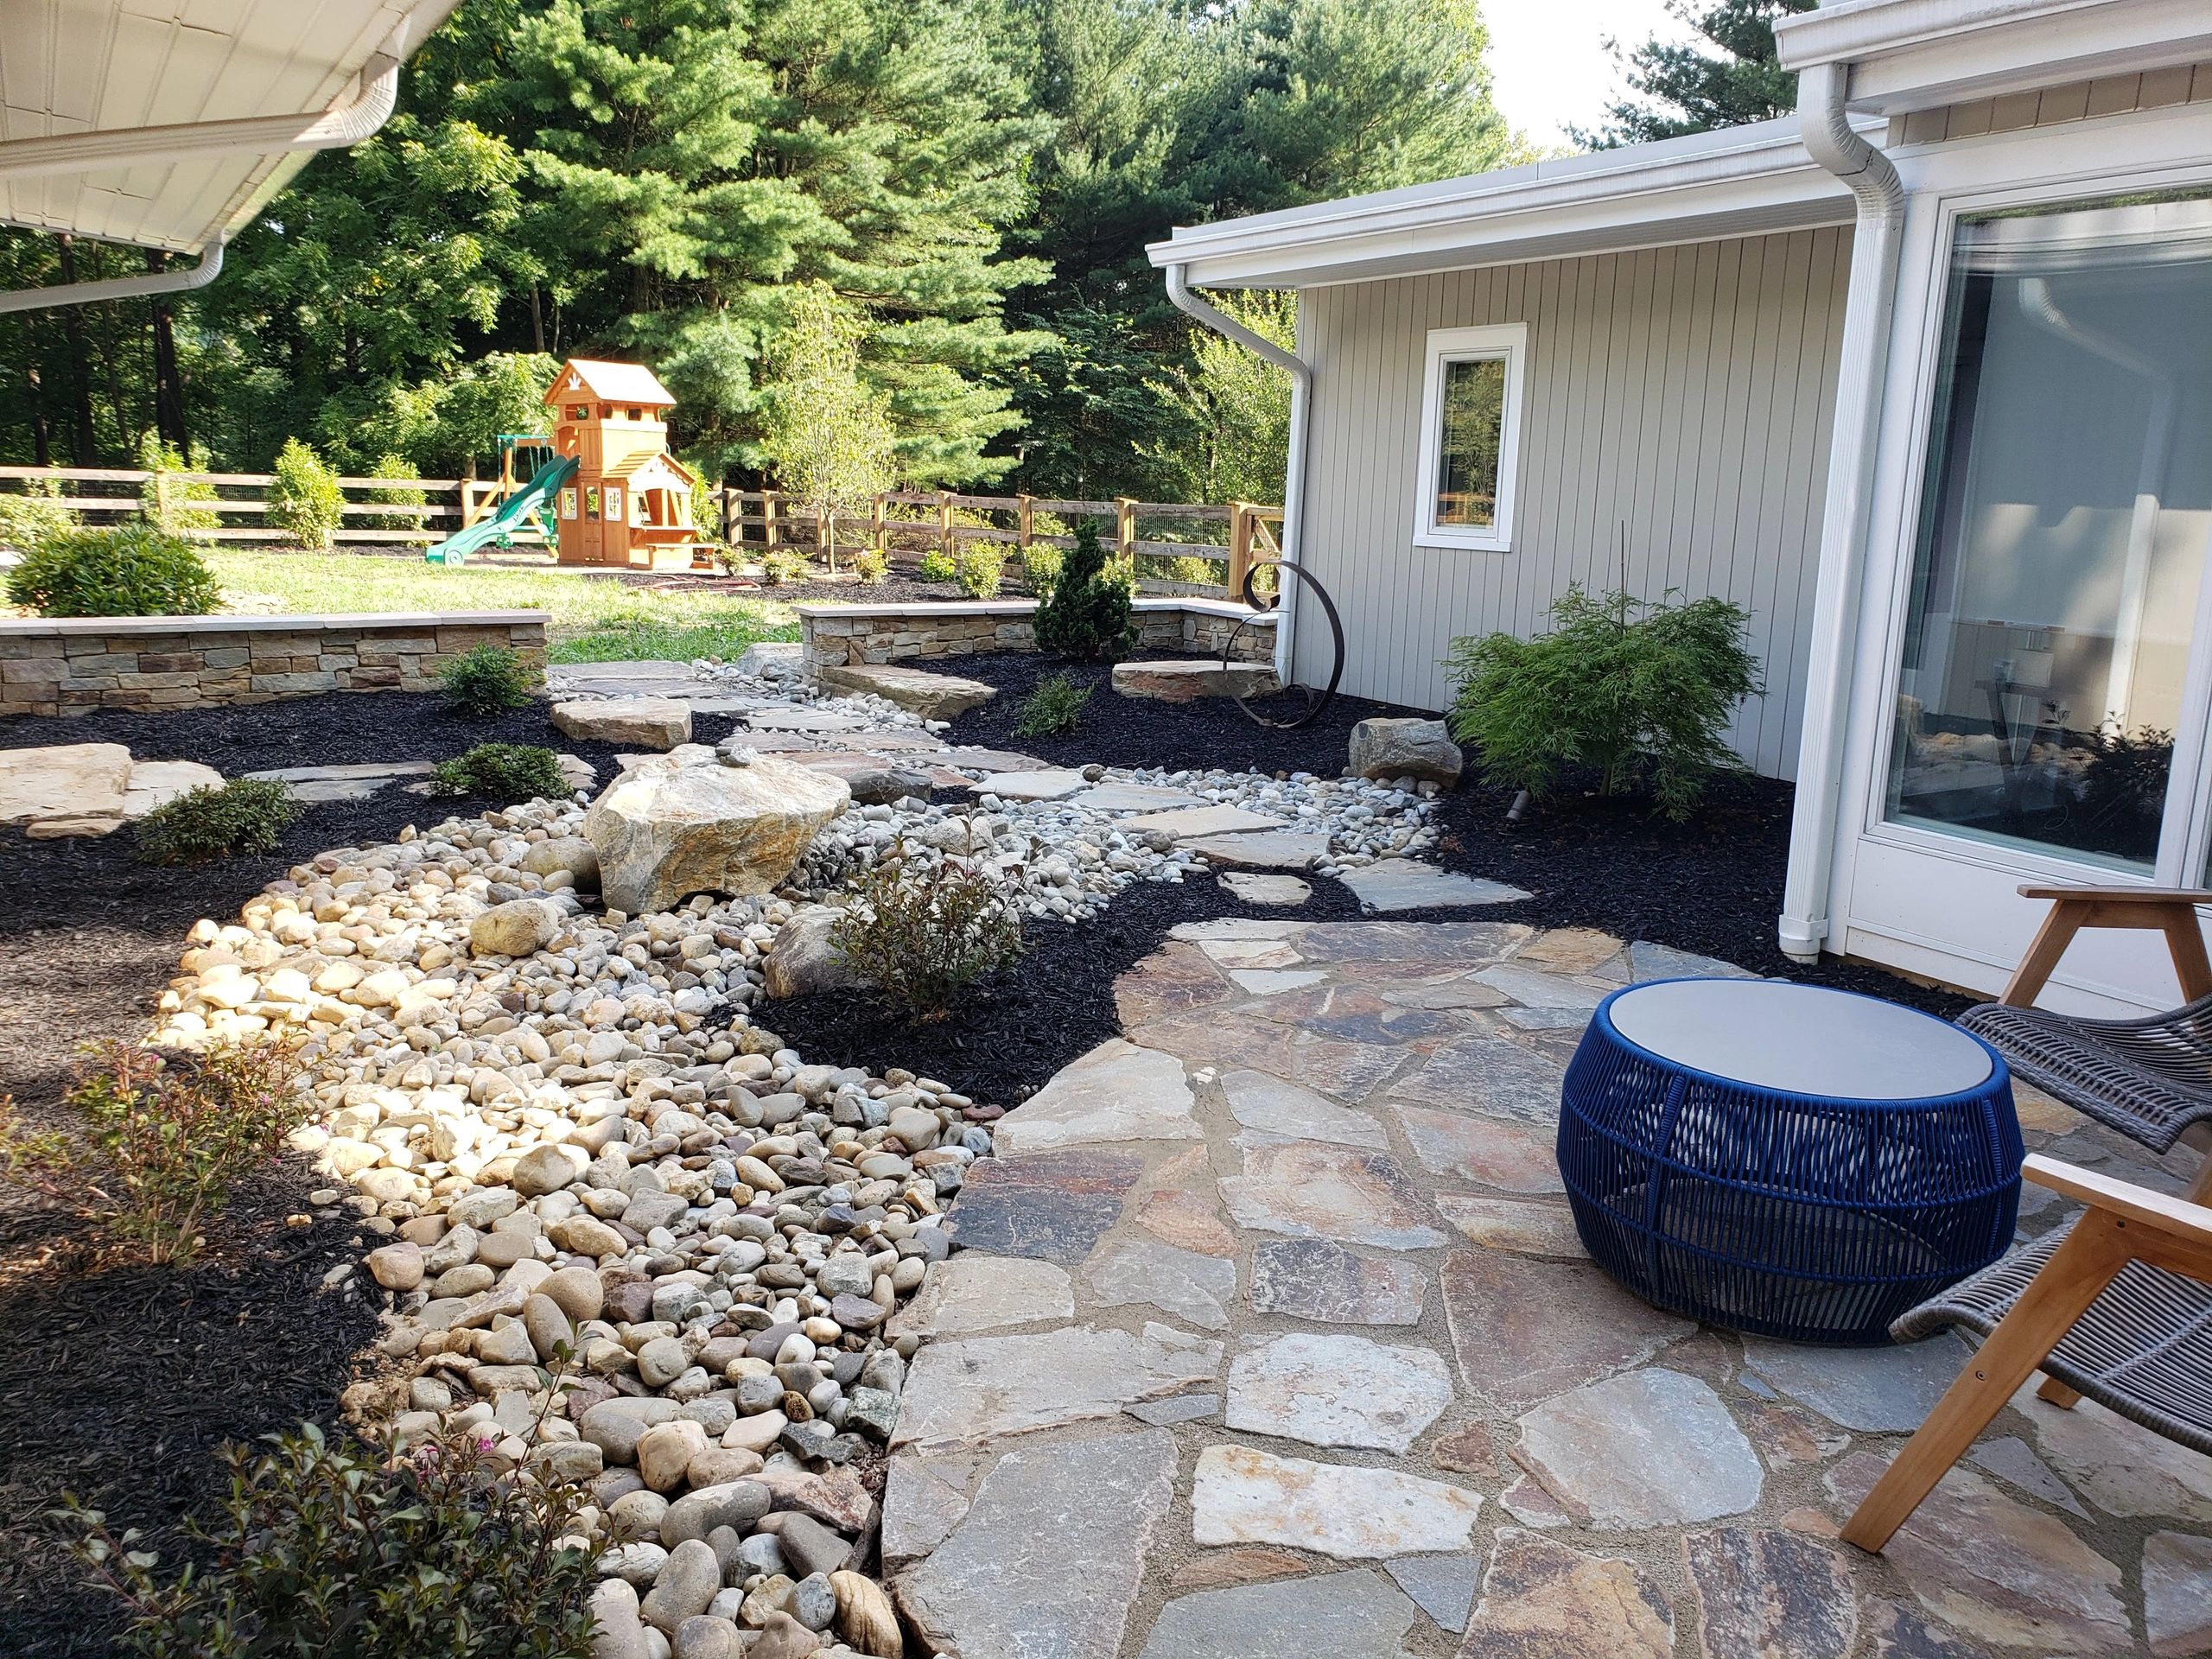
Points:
(1801, 1039)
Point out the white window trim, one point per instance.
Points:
(1507, 342)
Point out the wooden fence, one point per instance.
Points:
(243, 495)
(945, 520)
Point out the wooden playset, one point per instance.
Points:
(628, 502)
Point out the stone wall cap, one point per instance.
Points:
(1023, 606)
(70, 626)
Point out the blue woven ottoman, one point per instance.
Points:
(1799, 1163)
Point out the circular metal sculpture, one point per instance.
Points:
(1784, 1160)
(1315, 702)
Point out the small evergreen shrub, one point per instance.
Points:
(924, 929)
(486, 680)
(1052, 709)
(390, 466)
(982, 565)
(503, 772)
(333, 1548)
(28, 521)
(871, 564)
(1041, 567)
(125, 570)
(1087, 615)
(246, 815)
(781, 564)
(174, 505)
(305, 501)
(937, 565)
(167, 1138)
(1640, 699)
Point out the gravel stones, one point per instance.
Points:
(397, 1266)
(1337, 1390)
(1246, 1496)
(679, 824)
(548, 1168)
(1355, 1614)
(1648, 1448)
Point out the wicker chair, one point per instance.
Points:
(2117, 1308)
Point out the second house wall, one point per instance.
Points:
(1684, 391)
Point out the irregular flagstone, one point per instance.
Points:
(1526, 1330)
(1256, 889)
(1316, 1279)
(356, 781)
(1532, 988)
(1216, 1569)
(1337, 1390)
(1188, 823)
(1052, 784)
(1179, 1409)
(924, 1498)
(1272, 981)
(1455, 945)
(1769, 1594)
(1390, 884)
(1260, 1102)
(1545, 1019)
(1542, 1600)
(1888, 1390)
(1426, 989)
(1514, 1225)
(974, 1291)
(1649, 961)
(1131, 797)
(2178, 1594)
(983, 1386)
(1279, 850)
(1527, 1502)
(1187, 1220)
(2120, 1468)
(1193, 1288)
(1268, 1037)
(1901, 1633)
(1354, 1013)
(1172, 980)
(1049, 1557)
(1647, 1448)
(1494, 1075)
(1488, 1150)
(1252, 953)
(1444, 1585)
(1237, 927)
(63, 780)
(1993, 1568)
(1241, 1496)
(1054, 1206)
(1570, 949)
(933, 696)
(1345, 1615)
(2013, 1460)
(1117, 1092)
(1310, 1189)
(969, 758)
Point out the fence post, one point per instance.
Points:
(733, 532)
(1240, 545)
(1025, 508)
(825, 532)
(875, 532)
(767, 518)
(944, 541)
(1125, 526)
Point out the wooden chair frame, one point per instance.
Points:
(2170, 911)
(2124, 1223)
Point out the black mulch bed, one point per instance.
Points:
(901, 587)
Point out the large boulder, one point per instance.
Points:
(649, 722)
(690, 823)
(933, 696)
(1402, 747)
(802, 958)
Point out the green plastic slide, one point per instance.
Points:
(513, 512)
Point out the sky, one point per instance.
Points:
(1549, 70)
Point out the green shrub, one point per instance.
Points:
(1642, 699)
(781, 564)
(126, 571)
(1087, 615)
(246, 815)
(174, 505)
(982, 565)
(332, 1548)
(168, 1139)
(924, 929)
(1041, 567)
(1052, 707)
(503, 772)
(1187, 567)
(28, 521)
(871, 564)
(390, 466)
(305, 501)
(937, 565)
(486, 680)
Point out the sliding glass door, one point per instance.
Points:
(2049, 697)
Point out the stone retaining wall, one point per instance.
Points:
(75, 666)
(838, 634)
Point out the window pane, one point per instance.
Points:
(1474, 414)
(2063, 530)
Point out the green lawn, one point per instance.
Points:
(596, 618)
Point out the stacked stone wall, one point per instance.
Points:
(838, 635)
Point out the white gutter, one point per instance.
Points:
(180, 281)
(1293, 487)
(1831, 140)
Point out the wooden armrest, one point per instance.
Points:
(2176, 1217)
(2121, 895)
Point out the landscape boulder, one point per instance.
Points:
(1183, 680)
(688, 822)
(1404, 748)
(933, 696)
(647, 722)
(570, 853)
(802, 958)
(521, 927)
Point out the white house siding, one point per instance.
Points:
(1683, 390)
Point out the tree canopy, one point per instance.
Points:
(1684, 87)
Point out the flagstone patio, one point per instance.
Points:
(1270, 1334)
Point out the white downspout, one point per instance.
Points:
(180, 281)
(1829, 137)
(1293, 487)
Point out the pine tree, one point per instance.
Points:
(1683, 88)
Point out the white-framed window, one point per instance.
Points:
(1470, 436)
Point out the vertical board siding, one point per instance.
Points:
(1682, 391)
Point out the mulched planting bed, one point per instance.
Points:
(900, 588)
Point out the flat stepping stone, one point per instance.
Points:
(1520, 1225)
(1281, 849)
(978, 1389)
(1525, 1331)
(1309, 1189)
(933, 696)
(356, 782)
(1054, 1206)
(1182, 680)
(1327, 1389)
(1444, 1585)
(1886, 1390)
(1052, 784)
(1189, 822)
(156, 783)
(1649, 960)
(1539, 1597)
(1314, 1279)
(655, 722)
(1394, 884)
(1649, 1448)
(968, 758)
(1267, 889)
(1346, 1615)
(1260, 1102)
(1242, 1496)
(64, 780)
(1117, 1092)
(1493, 1152)
(647, 676)
(1132, 797)
(1497, 1076)
(1187, 1284)
(799, 719)
(1771, 1591)
(976, 1291)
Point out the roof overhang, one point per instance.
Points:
(1745, 181)
(1917, 54)
(170, 124)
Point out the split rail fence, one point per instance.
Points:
(244, 496)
